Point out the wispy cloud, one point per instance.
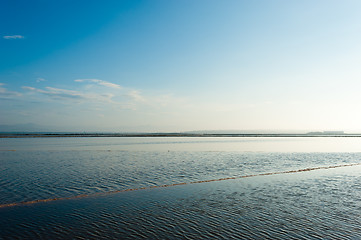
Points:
(40, 80)
(71, 95)
(100, 82)
(13, 37)
(57, 92)
(4, 93)
(136, 96)
(99, 95)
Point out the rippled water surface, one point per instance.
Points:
(322, 203)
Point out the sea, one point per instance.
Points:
(180, 188)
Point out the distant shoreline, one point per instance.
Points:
(47, 135)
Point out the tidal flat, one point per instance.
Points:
(171, 188)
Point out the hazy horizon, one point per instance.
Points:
(34, 128)
(175, 66)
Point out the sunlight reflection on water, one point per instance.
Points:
(243, 144)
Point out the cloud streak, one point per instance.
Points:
(100, 82)
(64, 94)
(13, 37)
(4, 93)
(136, 96)
(40, 80)
(57, 93)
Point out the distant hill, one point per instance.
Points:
(327, 133)
(245, 132)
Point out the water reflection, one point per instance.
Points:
(242, 144)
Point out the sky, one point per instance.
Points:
(173, 66)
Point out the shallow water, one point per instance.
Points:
(316, 204)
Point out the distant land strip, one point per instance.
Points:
(170, 185)
(44, 135)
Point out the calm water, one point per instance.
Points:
(311, 205)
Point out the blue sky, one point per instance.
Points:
(180, 65)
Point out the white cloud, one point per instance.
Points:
(4, 93)
(110, 101)
(57, 93)
(136, 96)
(40, 80)
(13, 37)
(100, 82)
